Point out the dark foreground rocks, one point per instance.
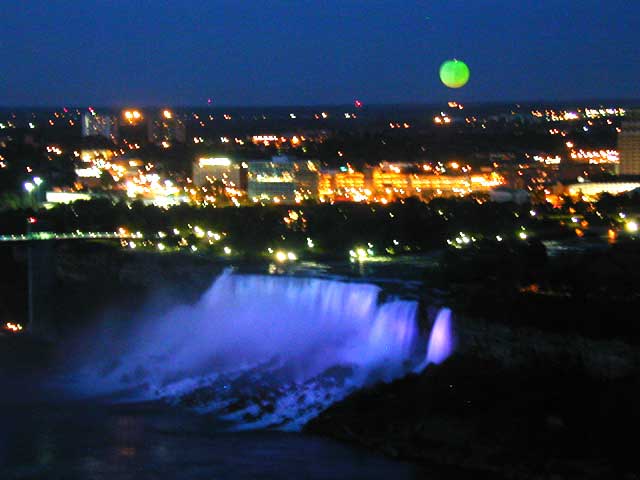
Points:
(564, 410)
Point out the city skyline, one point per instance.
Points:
(254, 54)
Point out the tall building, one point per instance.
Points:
(629, 144)
(133, 127)
(167, 130)
(94, 125)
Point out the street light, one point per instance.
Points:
(29, 187)
(37, 181)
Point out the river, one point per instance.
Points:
(69, 442)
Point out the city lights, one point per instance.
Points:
(214, 162)
(12, 327)
(332, 246)
(132, 116)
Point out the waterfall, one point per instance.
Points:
(262, 351)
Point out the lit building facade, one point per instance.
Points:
(591, 191)
(343, 184)
(306, 175)
(208, 170)
(94, 125)
(398, 180)
(271, 180)
(629, 144)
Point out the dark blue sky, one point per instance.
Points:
(249, 52)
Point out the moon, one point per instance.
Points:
(454, 73)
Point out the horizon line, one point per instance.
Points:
(634, 101)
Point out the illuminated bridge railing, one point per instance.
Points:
(63, 236)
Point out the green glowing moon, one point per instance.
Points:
(454, 73)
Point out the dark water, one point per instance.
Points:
(151, 442)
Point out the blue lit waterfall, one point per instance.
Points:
(263, 351)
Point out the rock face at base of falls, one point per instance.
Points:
(513, 403)
(267, 398)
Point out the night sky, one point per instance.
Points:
(249, 52)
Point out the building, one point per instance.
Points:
(271, 180)
(54, 197)
(591, 191)
(629, 144)
(343, 184)
(167, 130)
(440, 185)
(388, 181)
(94, 125)
(390, 177)
(209, 170)
(133, 128)
(96, 155)
(306, 174)
(505, 194)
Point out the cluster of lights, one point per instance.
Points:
(596, 156)
(150, 185)
(548, 160)
(136, 178)
(391, 181)
(127, 239)
(13, 327)
(604, 112)
(33, 184)
(132, 116)
(281, 256)
(267, 140)
(361, 254)
(461, 239)
(556, 115)
(54, 149)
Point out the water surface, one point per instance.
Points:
(82, 442)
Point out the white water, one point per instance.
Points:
(263, 351)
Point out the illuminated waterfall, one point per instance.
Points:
(264, 351)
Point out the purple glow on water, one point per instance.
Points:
(281, 333)
(440, 343)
